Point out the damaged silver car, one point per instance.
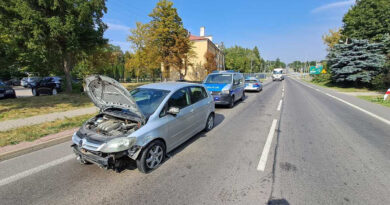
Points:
(141, 125)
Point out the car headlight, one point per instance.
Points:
(118, 144)
(225, 92)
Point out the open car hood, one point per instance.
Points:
(106, 93)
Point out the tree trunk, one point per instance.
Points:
(67, 69)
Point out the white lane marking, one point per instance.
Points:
(267, 146)
(352, 105)
(29, 172)
(280, 105)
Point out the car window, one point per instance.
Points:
(148, 99)
(197, 93)
(219, 79)
(179, 99)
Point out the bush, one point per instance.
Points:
(322, 78)
(381, 81)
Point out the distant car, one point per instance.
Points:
(13, 82)
(253, 84)
(48, 86)
(141, 125)
(6, 91)
(227, 87)
(277, 74)
(27, 82)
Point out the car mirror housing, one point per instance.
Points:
(173, 111)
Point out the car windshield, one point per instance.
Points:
(148, 99)
(219, 79)
(251, 81)
(278, 72)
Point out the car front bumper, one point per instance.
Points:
(222, 99)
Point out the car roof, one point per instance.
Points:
(171, 86)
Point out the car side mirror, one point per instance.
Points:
(173, 111)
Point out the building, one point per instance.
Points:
(201, 45)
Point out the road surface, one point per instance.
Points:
(289, 144)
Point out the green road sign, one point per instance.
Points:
(316, 70)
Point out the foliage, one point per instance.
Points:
(322, 78)
(169, 37)
(367, 19)
(357, 62)
(210, 64)
(243, 59)
(332, 38)
(50, 35)
(106, 59)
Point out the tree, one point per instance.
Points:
(332, 38)
(210, 64)
(357, 62)
(243, 59)
(367, 19)
(169, 36)
(52, 34)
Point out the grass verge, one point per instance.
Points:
(39, 105)
(338, 88)
(33, 132)
(378, 99)
(31, 106)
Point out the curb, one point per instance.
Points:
(42, 145)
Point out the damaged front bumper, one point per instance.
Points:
(88, 151)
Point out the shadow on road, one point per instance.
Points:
(278, 202)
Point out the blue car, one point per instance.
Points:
(253, 84)
(227, 87)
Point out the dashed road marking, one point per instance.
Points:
(280, 105)
(267, 146)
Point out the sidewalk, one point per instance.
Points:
(12, 124)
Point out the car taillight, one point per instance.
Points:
(256, 84)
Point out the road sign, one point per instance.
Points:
(316, 70)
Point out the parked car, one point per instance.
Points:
(253, 84)
(48, 86)
(29, 81)
(6, 91)
(142, 125)
(227, 87)
(13, 82)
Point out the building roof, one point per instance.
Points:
(194, 38)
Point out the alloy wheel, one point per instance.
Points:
(155, 156)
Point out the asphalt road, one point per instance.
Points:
(322, 151)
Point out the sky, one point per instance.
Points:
(285, 29)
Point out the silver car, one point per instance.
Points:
(142, 125)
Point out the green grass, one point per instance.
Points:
(378, 99)
(38, 105)
(338, 88)
(33, 132)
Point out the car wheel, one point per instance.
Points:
(231, 104)
(209, 123)
(151, 157)
(54, 91)
(35, 92)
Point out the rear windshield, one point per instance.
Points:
(251, 81)
(219, 79)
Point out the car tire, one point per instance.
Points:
(231, 103)
(152, 154)
(209, 123)
(34, 92)
(54, 91)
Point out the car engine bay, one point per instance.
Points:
(111, 126)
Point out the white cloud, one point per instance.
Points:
(334, 5)
(118, 27)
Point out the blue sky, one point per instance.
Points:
(290, 30)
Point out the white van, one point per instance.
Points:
(277, 74)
